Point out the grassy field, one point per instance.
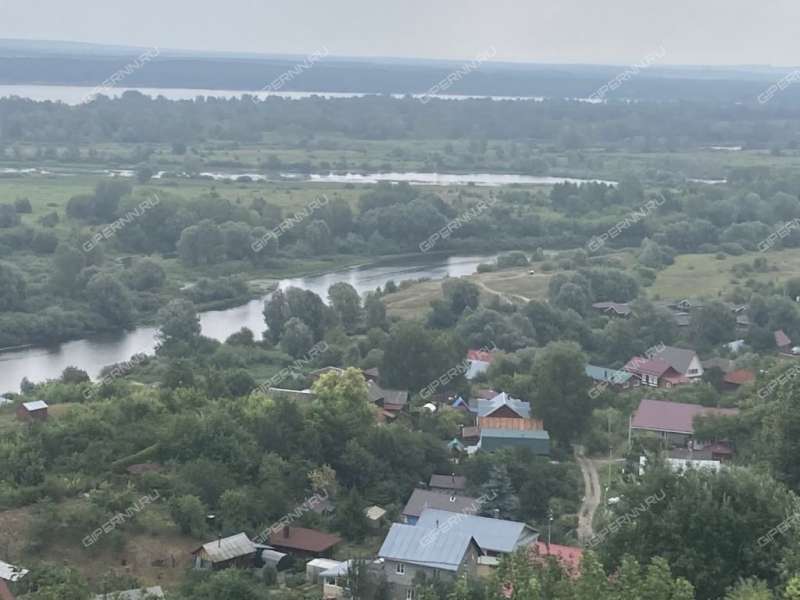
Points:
(705, 275)
(515, 285)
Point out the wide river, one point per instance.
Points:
(91, 355)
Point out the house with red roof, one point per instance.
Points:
(672, 421)
(667, 367)
(569, 557)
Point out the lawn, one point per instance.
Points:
(704, 275)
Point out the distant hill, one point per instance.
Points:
(74, 63)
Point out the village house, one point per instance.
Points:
(449, 483)
(671, 421)
(478, 362)
(668, 367)
(537, 441)
(503, 405)
(32, 411)
(735, 379)
(611, 377)
(234, 551)
(304, 542)
(375, 516)
(494, 536)
(614, 309)
(411, 553)
(391, 401)
(421, 499)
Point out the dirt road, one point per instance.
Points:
(592, 496)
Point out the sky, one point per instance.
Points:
(691, 32)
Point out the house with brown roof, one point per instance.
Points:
(735, 379)
(452, 482)
(671, 421)
(304, 542)
(615, 309)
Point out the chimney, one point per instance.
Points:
(286, 532)
(437, 523)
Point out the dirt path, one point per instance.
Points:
(508, 297)
(591, 497)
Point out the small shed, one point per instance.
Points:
(32, 411)
(234, 551)
(375, 515)
(277, 560)
(315, 568)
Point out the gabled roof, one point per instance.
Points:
(422, 499)
(678, 358)
(649, 366)
(378, 394)
(303, 539)
(448, 482)
(494, 535)
(35, 405)
(740, 377)
(781, 339)
(608, 375)
(620, 308)
(228, 548)
(672, 417)
(487, 407)
(414, 545)
(461, 403)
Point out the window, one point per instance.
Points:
(400, 569)
(410, 594)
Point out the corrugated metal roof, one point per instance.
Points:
(420, 546)
(35, 405)
(487, 407)
(607, 375)
(229, 548)
(539, 434)
(422, 499)
(495, 535)
(374, 513)
(10, 572)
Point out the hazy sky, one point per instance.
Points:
(561, 31)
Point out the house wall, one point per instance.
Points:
(695, 368)
(537, 446)
(504, 411)
(400, 584)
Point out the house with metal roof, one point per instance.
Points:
(667, 367)
(613, 377)
(618, 309)
(9, 574)
(233, 551)
(672, 421)
(503, 405)
(32, 411)
(538, 440)
(410, 553)
(302, 541)
(494, 536)
(449, 501)
(452, 482)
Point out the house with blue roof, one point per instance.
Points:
(409, 552)
(503, 405)
(613, 377)
(494, 536)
